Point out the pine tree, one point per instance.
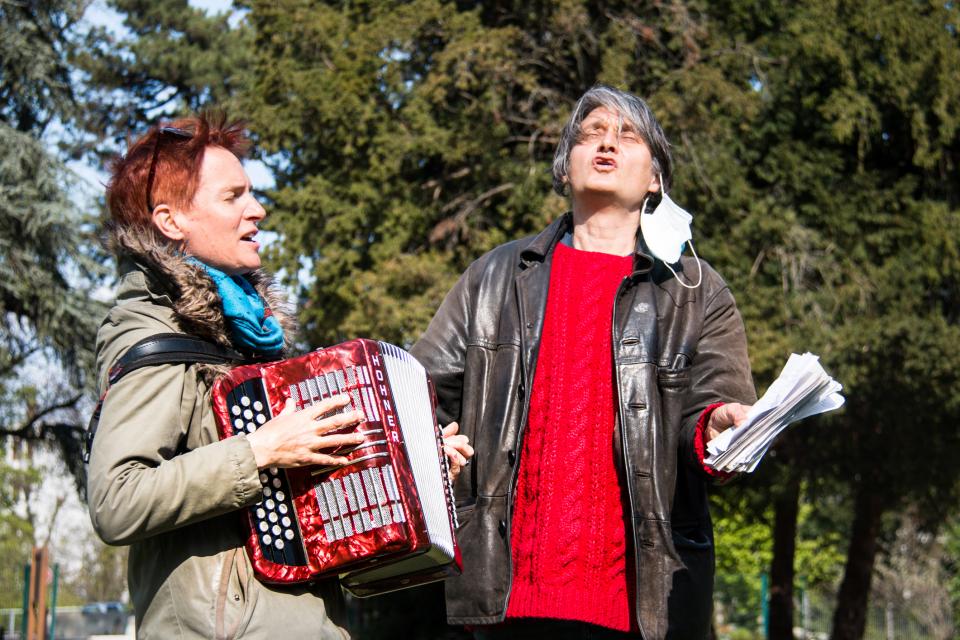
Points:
(45, 259)
(169, 59)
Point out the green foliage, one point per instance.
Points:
(409, 138)
(46, 260)
(42, 258)
(16, 532)
(744, 549)
(951, 568)
(743, 529)
(35, 43)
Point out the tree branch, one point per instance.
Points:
(26, 430)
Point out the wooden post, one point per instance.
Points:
(37, 605)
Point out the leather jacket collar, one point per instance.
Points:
(544, 242)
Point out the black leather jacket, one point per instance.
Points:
(675, 351)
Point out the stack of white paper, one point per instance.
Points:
(803, 389)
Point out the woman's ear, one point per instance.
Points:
(167, 221)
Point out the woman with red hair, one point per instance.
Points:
(183, 225)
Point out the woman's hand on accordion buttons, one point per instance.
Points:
(458, 449)
(299, 438)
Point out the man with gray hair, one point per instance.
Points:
(589, 365)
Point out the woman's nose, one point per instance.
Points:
(256, 210)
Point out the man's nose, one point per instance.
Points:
(610, 139)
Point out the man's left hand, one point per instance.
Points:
(723, 417)
(458, 449)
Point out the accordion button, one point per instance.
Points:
(272, 517)
(502, 528)
(270, 504)
(282, 508)
(263, 478)
(245, 401)
(278, 544)
(288, 534)
(267, 539)
(276, 529)
(285, 521)
(261, 514)
(280, 495)
(264, 526)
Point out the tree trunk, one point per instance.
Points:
(850, 619)
(786, 508)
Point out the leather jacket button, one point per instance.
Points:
(502, 528)
(520, 390)
(529, 325)
(511, 457)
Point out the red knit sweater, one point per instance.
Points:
(568, 534)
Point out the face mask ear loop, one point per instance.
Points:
(699, 270)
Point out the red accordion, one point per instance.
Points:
(382, 522)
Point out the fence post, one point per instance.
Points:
(804, 612)
(53, 601)
(888, 618)
(26, 600)
(37, 604)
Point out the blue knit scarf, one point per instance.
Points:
(251, 323)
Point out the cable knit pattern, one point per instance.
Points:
(568, 531)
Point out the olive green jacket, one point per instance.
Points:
(161, 481)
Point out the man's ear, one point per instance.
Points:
(655, 184)
(168, 222)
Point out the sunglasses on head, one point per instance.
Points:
(163, 134)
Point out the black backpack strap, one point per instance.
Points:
(161, 348)
(171, 348)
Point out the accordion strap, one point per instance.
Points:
(161, 348)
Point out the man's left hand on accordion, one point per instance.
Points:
(458, 449)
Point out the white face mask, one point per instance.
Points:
(666, 230)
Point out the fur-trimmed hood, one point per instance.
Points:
(193, 295)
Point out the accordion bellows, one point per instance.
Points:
(384, 521)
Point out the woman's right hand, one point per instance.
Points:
(296, 438)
